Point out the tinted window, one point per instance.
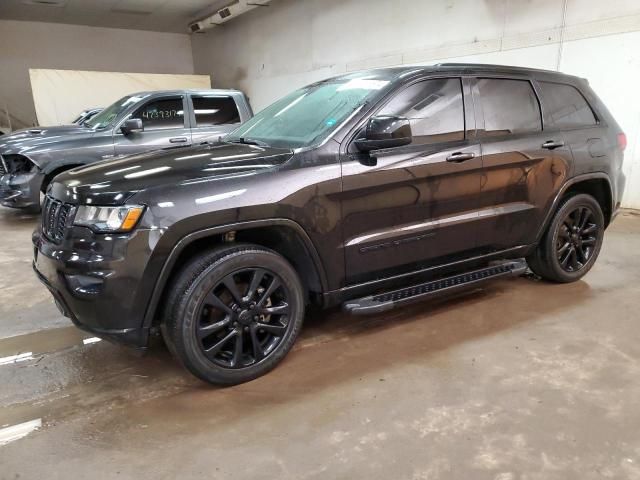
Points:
(566, 106)
(434, 109)
(162, 113)
(509, 106)
(215, 110)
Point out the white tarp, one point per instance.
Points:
(59, 95)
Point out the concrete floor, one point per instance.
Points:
(521, 379)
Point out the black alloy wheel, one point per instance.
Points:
(571, 243)
(233, 313)
(243, 318)
(576, 239)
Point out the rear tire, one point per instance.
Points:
(233, 313)
(571, 244)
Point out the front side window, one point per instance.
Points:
(309, 115)
(161, 114)
(509, 106)
(215, 110)
(566, 106)
(434, 109)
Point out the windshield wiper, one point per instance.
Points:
(249, 141)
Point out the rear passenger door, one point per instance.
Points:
(523, 165)
(165, 125)
(567, 111)
(212, 116)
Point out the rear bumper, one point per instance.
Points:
(97, 292)
(21, 191)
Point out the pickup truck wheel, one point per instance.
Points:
(571, 244)
(233, 313)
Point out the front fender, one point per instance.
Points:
(162, 265)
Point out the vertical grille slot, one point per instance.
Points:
(2, 169)
(55, 215)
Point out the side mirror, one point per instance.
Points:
(132, 125)
(385, 132)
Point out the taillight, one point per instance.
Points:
(622, 141)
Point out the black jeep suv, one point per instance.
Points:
(371, 189)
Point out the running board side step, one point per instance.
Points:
(388, 300)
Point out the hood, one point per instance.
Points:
(31, 138)
(113, 182)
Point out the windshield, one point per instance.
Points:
(307, 116)
(107, 116)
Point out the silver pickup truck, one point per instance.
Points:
(141, 122)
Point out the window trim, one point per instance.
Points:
(469, 133)
(479, 107)
(552, 123)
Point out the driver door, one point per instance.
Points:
(165, 125)
(409, 207)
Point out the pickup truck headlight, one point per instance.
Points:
(108, 219)
(18, 164)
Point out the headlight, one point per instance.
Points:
(108, 219)
(18, 164)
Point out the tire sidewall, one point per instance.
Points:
(581, 200)
(186, 339)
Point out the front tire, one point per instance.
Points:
(233, 313)
(571, 244)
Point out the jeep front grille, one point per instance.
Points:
(55, 216)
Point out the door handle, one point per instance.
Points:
(178, 140)
(551, 144)
(460, 157)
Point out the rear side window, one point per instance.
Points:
(434, 109)
(509, 106)
(566, 106)
(161, 114)
(215, 110)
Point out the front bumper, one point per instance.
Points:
(95, 280)
(21, 190)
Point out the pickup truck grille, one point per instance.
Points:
(55, 216)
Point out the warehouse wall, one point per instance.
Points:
(272, 50)
(25, 45)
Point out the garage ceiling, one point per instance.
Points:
(155, 15)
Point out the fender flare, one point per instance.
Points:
(178, 248)
(570, 182)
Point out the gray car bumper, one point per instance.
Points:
(21, 190)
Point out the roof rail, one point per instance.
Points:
(491, 66)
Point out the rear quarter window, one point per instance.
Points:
(566, 106)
